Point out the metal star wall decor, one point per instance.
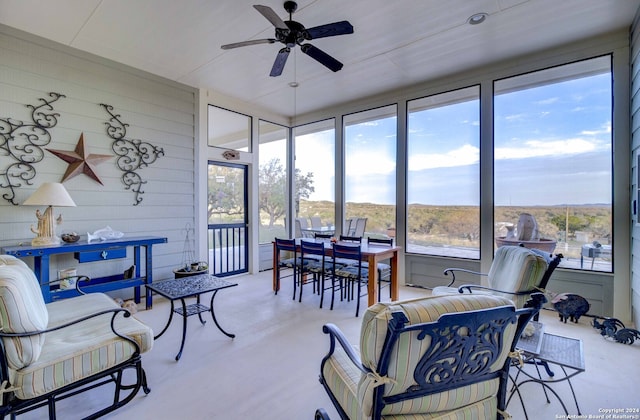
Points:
(80, 161)
(133, 154)
(22, 142)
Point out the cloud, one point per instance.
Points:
(540, 148)
(606, 129)
(370, 163)
(547, 101)
(515, 117)
(470, 155)
(465, 155)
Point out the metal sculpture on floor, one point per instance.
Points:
(615, 329)
(570, 306)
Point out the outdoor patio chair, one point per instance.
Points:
(55, 351)
(361, 224)
(445, 357)
(516, 272)
(316, 222)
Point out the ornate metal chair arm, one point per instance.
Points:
(462, 270)
(80, 280)
(468, 287)
(77, 287)
(536, 301)
(114, 312)
(321, 414)
(336, 335)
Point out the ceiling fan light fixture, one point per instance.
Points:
(292, 34)
(477, 18)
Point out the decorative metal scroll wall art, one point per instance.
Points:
(133, 154)
(23, 142)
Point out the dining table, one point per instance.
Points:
(371, 253)
(325, 230)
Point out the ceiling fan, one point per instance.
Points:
(290, 33)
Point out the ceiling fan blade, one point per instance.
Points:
(271, 16)
(321, 57)
(330, 29)
(245, 43)
(281, 60)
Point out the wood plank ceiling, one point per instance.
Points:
(395, 43)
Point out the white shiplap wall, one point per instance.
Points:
(158, 111)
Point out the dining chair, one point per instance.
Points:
(291, 262)
(316, 264)
(352, 273)
(384, 269)
(346, 238)
(316, 222)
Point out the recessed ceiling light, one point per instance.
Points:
(477, 19)
(294, 84)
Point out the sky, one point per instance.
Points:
(552, 147)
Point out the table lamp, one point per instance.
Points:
(48, 194)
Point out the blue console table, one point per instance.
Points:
(94, 251)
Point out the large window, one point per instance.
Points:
(553, 161)
(443, 193)
(272, 178)
(370, 169)
(314, 183)
(229, 129)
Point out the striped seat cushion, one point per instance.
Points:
(77, 352)
(516, 269)
(22, 309)
(374, 329)
(342, 377)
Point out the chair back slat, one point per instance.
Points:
(351, 252)
(285, 245)
(311, 248)
(346, 238)
(380, 241)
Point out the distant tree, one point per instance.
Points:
(304, 187)
(576, 223)
(273, 186)
(226, 193)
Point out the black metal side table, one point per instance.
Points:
(564, 352)
(185, 287)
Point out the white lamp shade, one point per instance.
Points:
(50, 194)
